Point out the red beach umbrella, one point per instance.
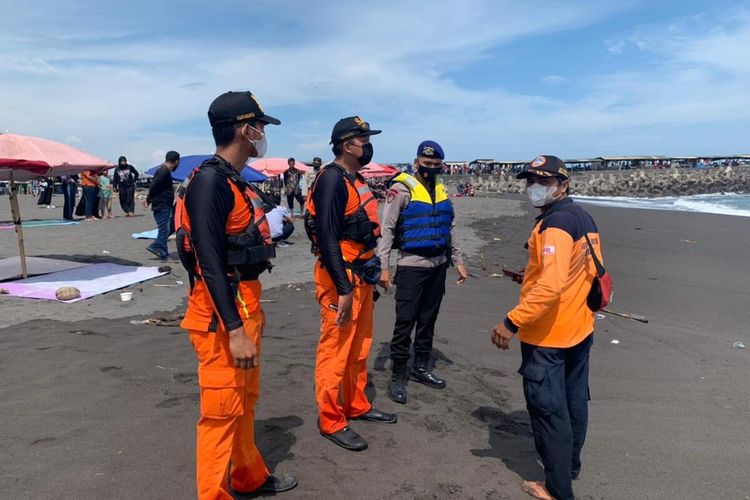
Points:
(23, 158)
(377, 170)
(276, 166)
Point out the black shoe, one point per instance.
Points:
(375, 415)
(155, 252)
(397, 392)
(424, 376)
(347, 439)
(399, 379)
(278, 484)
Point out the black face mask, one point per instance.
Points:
(367, 153)
(428, 174)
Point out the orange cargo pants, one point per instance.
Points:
(341, 362)
(226, 429)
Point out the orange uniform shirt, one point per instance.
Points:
(552, 310)
(89, 179)
(202, 314)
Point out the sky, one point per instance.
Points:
(486, 79)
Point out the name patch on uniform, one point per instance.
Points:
(548, 250)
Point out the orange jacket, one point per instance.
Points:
(89, 179)
(213, 303)
(552, 310)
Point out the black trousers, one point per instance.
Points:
(556, 388)
(419, 293)
(127, 199)
(290, 200)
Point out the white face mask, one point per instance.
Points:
(260, 145)
(541, 196)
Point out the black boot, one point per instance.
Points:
(399, 379)
(420, 372)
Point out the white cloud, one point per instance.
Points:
(554, 79)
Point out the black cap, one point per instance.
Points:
(352, 126)
(545, 166)
(172, 156)
(237, 107)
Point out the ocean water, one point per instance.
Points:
(725, 204)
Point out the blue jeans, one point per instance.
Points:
(556, 388)
(69, 192)
(89, 196)
(162, 216)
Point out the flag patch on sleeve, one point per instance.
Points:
(548, 250)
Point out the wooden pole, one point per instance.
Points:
(17, 223)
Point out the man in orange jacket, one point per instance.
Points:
(555, 326)
(224, 242)
(342, 221)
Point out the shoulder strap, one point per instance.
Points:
(597, 263)
(599, 267)
(340, 170)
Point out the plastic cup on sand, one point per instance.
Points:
(126, 296)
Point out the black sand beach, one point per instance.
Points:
(101, 408)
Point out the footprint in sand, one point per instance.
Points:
(433, 423)
(88, 333)
(46, 441)
(491, 372)
(177, 401)
(185, 378)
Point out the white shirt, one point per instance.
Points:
(276, 220)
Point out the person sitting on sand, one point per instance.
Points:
(555, 326)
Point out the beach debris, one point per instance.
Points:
(126, 296)
(180, 282)
(67, 293)
(738, 345)
(614, 341)
(497, 239)
(160, 367)
(495, 275)
(689, 241)
(267, 301)
(4, 291)
(165, 321)
(165, 269)
(634, 317)
(159, 284)
(600, 316)
(105, 252)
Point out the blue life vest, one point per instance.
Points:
(424, 226)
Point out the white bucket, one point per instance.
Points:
(126, 296)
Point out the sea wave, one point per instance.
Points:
(724, 204)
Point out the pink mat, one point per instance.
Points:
(91, 280)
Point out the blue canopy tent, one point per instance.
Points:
(188, 164)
